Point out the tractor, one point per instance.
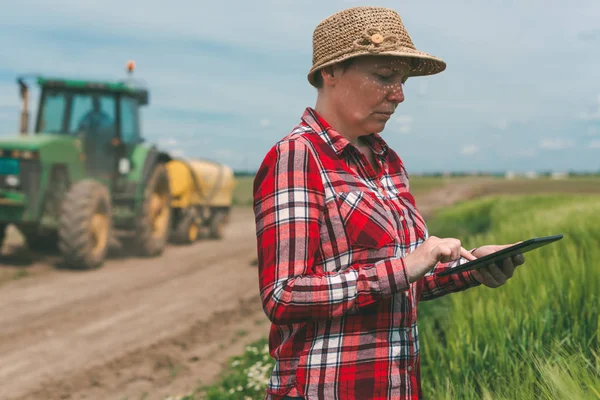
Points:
(86, 173)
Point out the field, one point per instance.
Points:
(478, 186)
(536, 337)
(149, 328)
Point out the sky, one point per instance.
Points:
(227, 79)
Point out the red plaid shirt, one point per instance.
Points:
(332, 234)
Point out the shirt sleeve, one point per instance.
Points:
(435, 286)
(289, 204)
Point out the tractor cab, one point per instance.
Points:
(103, 117)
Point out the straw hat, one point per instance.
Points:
(367, 30)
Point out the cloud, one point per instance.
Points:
(168, 142)
(593, 112)
(227, 155)
(592, 131)
(265, 122)
(404, 123)
(589, 36)
(594, 144)
(469, 149)
(526, 153)
(178, 152)
(501, 124)
(422, 88)
(556, 143)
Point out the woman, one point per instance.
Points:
(344, 255)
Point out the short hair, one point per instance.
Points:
(319, 79)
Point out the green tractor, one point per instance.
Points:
(85, 173)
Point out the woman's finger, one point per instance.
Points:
(508, 267)
(488, 279)
(467, 254)
(518, 259)
(497, 273)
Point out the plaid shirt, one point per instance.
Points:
(332, 234)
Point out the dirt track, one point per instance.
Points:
(136, 328)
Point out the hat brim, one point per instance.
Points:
(422, 64)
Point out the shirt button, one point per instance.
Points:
(381, 191)
(409, 369)
(401, 218)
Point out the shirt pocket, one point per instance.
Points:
(411, 217)
(367, 222)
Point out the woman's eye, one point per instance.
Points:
(384, 77)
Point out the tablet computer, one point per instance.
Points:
(499, 256)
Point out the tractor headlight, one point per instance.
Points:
(12, 180)
(30, 155)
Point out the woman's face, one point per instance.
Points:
(367, 93)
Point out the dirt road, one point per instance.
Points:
(136, 328)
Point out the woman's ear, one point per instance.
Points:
(329, 75)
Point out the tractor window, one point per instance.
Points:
(129, 121)
(53, 112)
(93, 114)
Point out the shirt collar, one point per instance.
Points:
(337, 142)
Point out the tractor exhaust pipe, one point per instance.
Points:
(24, 92)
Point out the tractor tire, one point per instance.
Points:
(154, 220)
(187, 230)
(85, 225)
(217, 224)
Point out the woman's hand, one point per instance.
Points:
(496, 275)
(430, 252)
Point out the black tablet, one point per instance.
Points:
(499, 256)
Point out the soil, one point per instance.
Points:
(135, 328)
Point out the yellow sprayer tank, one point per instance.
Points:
(199, 182)
(202, 195)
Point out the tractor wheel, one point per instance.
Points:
(154, 221)
(187, 231)
(217, 224)
(85, 225)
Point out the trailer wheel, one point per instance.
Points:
(85, 225)
(217, 224)
(152, 225)
(187, 231)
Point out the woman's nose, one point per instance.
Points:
(396, 93)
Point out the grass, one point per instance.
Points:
(537, 336)
(246, 379)
(242, 193)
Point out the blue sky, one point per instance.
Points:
(227, 79)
